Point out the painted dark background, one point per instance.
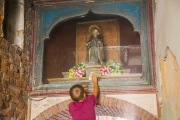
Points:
(60, 49)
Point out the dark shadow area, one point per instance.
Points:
(5, 22)
(60, 48)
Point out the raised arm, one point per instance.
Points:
(94, 79)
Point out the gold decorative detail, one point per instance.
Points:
(93, 26)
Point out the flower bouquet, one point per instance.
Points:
(106, 71)
(77, 71)
(114, 68)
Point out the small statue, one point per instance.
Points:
(126, 57)
(95, 52)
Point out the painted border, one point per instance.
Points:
(152, 41)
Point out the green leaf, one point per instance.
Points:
(114, 60)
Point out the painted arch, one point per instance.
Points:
(106, 106)
(78, 12)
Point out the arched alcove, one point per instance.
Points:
(60, 47)
(78, 12)
(106, 106)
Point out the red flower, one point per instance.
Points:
(106, 71)
(79, 73)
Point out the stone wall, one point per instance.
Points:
(167, 27)
(14, 68)
(14, 72)
(28, 18)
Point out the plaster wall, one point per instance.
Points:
(170, 74)
(145, 101)
(167, 27)
(39, 106)
(14, 22)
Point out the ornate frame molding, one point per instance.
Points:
(147, 43)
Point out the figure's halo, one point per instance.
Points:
(93, 26)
